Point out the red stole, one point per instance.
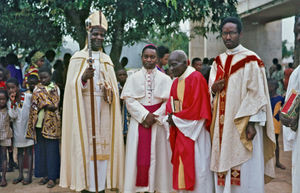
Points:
(195, 106)
(144, 151)
(224, 72)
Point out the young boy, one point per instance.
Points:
(44, 127)
(122, 77)
(18, 109)
(276, 102)
(5, 134)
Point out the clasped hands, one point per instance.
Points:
(150, 120)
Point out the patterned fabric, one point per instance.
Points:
(51, 128)
(31, 70)
(5, 130)
(276, 103)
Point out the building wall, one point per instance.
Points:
(264, 39)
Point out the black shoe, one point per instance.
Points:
(13, 164)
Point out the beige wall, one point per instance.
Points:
(264, 39)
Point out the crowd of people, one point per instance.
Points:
(31, 105)
(209, 126)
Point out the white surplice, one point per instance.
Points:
(148, 87)
(291, 139)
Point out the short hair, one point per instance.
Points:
(162, 50)
(13, 80)
(205, 60)
(45, 69)
(195, 60)
(234, 20)
(291, 65)
(3, 91)
(181, 56)
(275, 61)
(50, 54)
(124, 61)
(149, 46)
(11, 58)
(278, 67)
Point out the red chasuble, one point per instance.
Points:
(195, 106)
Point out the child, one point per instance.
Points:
(5, 134)
(18, 109)
(276, 102)
(122, 77)
(44, 128)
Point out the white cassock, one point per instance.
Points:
(291, 139)
(148, 87)
(247, 100)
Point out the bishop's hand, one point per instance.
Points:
(88, 74)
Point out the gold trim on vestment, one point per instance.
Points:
(241, 125)
(80, 124)
(214, 116)
(113, 136)
(101, 157)
(181, 180)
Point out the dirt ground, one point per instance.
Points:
(281, 184)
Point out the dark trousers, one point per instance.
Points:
(47, 158)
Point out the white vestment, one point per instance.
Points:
(247, 100)
(291, 139)
(147, 87)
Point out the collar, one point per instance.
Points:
(235, 50)
(189, 70)
(149, 71)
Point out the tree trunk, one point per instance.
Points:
(297, 46)
(117, 43)
(77, 18)
(116, 48)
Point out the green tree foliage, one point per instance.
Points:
(132, 20)
(286, 52)
(25, 26)
(175, 41)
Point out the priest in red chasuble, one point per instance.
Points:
(243, 140)
(189, 117)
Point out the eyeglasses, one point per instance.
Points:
(231, 33)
